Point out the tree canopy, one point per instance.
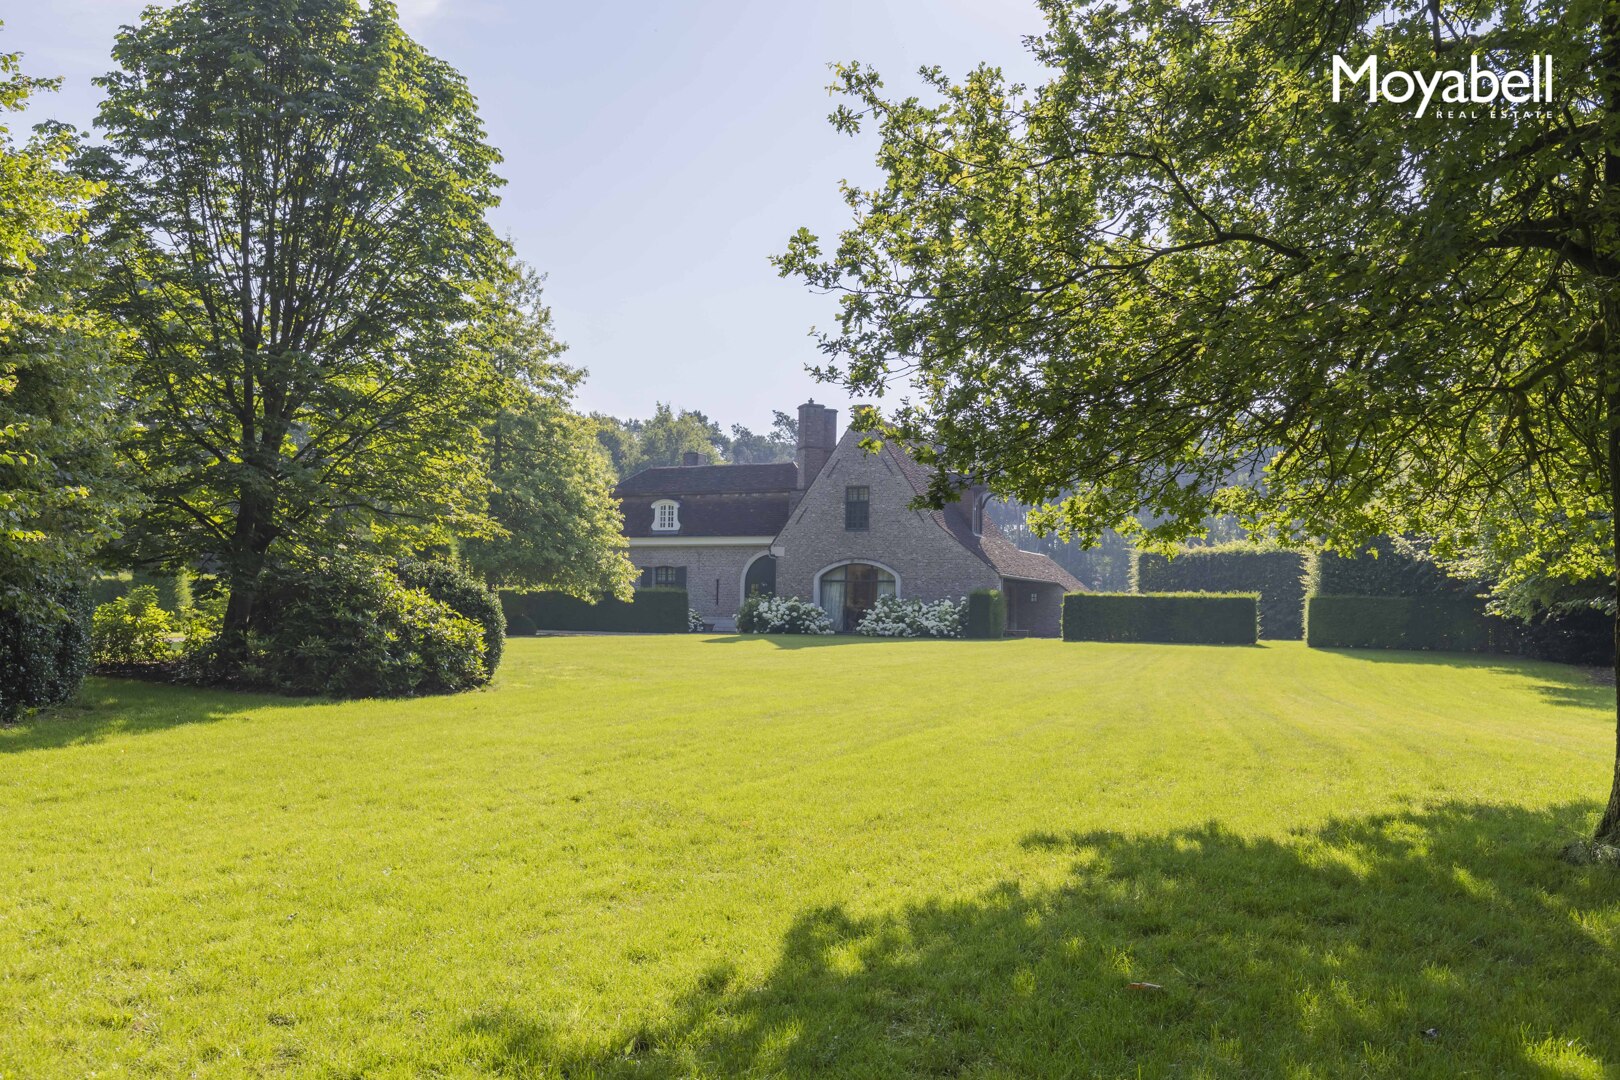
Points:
(551, 482)
(1179, 260)
(59, 496)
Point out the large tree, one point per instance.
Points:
(296, 193)
(551, 482)
(59, 499)
(1179, 259)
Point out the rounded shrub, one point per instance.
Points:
(132, 630)
(348, 626)
(466, 595)
(44, 644)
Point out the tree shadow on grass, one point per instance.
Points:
(1561, 684)
(109, 706)
(1440, 942)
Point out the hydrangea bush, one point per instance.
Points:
(694, 622)
(781, 615)
(893, 617)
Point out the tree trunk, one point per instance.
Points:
(1608, 830)
(250, 544)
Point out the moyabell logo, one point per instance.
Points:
(1475, 86)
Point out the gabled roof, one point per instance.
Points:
(678, 480)
(991, 545)
(712, 515)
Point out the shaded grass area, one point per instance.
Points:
(656, 857)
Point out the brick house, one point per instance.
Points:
(835, 526)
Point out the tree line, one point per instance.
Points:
(666, 437)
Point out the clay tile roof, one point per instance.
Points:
(992, 545)
(680, 480)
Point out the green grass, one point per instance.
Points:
(719, 857)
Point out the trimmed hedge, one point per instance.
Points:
(1576, 637)
(1454, 624)
(1380, 570)
(651, 611)
(1277, 575)
(1439, 612)
(1176, 618)
(1444, 623)
(44, 646)
(986, 614)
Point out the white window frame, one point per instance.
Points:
(666, 516)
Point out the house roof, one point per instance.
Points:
(677, 480)
(991, 544)
(712, 515)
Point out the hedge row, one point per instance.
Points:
(986, 614)
(1184, 618)
(1380, 570)
(1277, 575)
(1453, 624)
(1446, 623)
(651, 611)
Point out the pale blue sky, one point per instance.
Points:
(656, 155)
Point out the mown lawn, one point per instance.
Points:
(713, 856)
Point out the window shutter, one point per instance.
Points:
(680, 577)
(646, 579)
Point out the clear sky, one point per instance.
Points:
(656, 155)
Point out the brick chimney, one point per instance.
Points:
(691, 457)
(818, 434)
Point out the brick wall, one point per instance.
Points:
(930, 563)
(1034, 607)
(711, 572)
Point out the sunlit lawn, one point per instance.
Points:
(715, 856)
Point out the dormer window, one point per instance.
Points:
(666, 516)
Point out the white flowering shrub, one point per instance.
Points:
(781, 615)
(694, 621)
(893, 617)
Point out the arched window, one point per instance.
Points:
(848, 592)
(666, 516)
